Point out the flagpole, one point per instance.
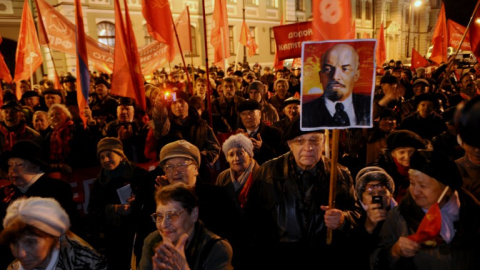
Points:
(181, 54)
(236, 57)
(190, 40)
(459, 45)
(206, 63)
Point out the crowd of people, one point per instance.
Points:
(235, 182)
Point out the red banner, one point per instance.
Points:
(455, 34)
(332, 19)
(219, 35)
(289, 39)
(158, 15)
(182, 24)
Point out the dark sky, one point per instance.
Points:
(460, 10)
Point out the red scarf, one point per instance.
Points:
(60, 141)
(400, 168)
(242, 197)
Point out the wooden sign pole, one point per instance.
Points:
(333, 178)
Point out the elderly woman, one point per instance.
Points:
(374, 189)
(68, 145)
(112, 208)
(37, 231)
(236, 180)
(434, 179)
(396, 159)
(182, 242)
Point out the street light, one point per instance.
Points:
(416, 4)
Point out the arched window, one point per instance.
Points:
(106, 33)
(193, 34)
(358, 9)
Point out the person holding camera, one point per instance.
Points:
(374, 189)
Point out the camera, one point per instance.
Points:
(378, 199)
(170, 96)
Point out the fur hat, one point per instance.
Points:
(52, 92)
(180, 149)
(404, 138)
(422, 81)
(27, 150)
(249, 105)
(12, 105)
(101, 80)
(238, 140)
(438, 166)
(372, 173)
(292, 130)
(110, 144)
(45, 214)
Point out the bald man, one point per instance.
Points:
(338, 106)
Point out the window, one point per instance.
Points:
(146, 35)
(299, 5)
(231, 1)
(387, 11)
(231, 35)
(254, 39)
(251, 2)
(272, 3)
(106, 33)
(368, 11)
(194, 42)
(273, 44)
(358, 9)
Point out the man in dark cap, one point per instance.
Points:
(265, 139)
(256, 91)
(53, 96)
(32, 99)
(14, 128)
(69, 84)
(129, 129)
(287, 207)
(102, 106)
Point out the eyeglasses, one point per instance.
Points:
(300, 141)
(170, 216)
(180, 167)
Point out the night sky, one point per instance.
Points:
(460, 10)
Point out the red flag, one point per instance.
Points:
(182, 23)
(83, 76)
(158, 15)
(440, 38)
(475, 34)
(381, 53)
(127, 79)
(418, 60)
(219, 36)
(455, 34)
(43, 39)
(278, 64)
(430, 225)
(28, 57)
(4, 71)
(247, 40)
(332, 19)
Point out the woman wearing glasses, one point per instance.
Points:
(181, 241)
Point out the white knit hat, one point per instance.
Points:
(45, 214)
(238, 140)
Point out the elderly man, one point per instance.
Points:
(131, 131)
(52, 96)
(13, 128)
(102, 106)
(338, 105)
(287, 210)
(265, 139)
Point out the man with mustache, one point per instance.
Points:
(338, 106)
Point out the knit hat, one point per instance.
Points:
(238, 140)
(404, 138)
(45, 214)
(249, 105)
(257, 85)
(179, 149)
(438, 166)
(110, 144)
(372, 173)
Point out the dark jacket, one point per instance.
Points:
(461, 253)
(219, 256)
(316, 113)
(271, 143)
(290, 227)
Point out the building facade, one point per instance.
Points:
(406, 26)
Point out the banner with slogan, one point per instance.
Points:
(61, 36)
(455, 34)
(289, 38)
